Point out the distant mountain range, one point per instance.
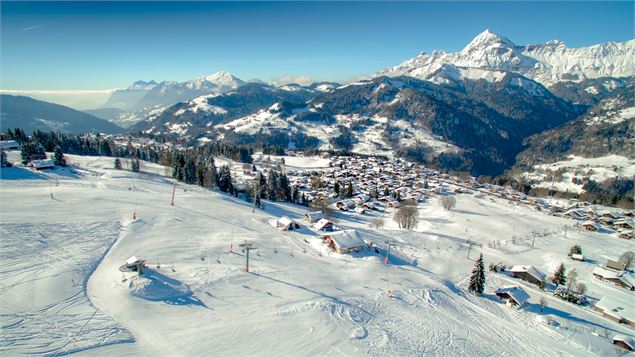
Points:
(547, 63)
(472, 110)
(142, 94)
(31, 114)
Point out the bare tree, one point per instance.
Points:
(406, 217)
(448, 202)
(543, 303)
(377, 223)
(580, 288)
(627, 258)
(321, 204)
(571, 279)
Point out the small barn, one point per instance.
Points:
(527, 273)
(323, 225)
(615, 264)
(42, 164)
(513, 295)
(344, 242)
(578, 257)
(313, 217)
(626, 342)
(286, 224)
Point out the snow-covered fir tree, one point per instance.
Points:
(225, 179)
(189, 174)
(477, 280)
(58, 157)
(559, 276)
(117, 164)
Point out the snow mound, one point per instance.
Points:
(155, 286)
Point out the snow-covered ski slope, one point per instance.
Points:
(61, 290)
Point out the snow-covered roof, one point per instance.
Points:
(315, 215)
(617, 308)
(321, 223)
(9, 144)
(38, 164)
(630, 341)
(517, 293)
(347, 239)
(285, 221)
(605, 273)
(529, 270)
(132, 260)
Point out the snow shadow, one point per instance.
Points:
(20, 173)
(154, 286)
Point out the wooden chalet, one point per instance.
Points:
(527, 273)
(344, 242)
(313, 217)
(513, 295)
(286, 224)
(626, 342)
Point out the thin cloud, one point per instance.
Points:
(35, 26)
(301, 80)
(56, 91)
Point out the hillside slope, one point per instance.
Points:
(299, 298)
(30, 114)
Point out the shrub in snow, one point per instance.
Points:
(498, 267)
(576, 249)
(570, 296)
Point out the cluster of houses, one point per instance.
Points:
(618, 222)
(342, 241)
(612, 307)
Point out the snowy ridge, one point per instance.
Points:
(547, 63)
(200, 104)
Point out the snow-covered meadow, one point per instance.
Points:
(65, 233)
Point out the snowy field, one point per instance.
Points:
(598, 169)
(61, 289)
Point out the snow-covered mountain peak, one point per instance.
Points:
(219, 79)
(142, 85)
(488, 38)
(547, 63)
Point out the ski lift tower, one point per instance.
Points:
(388, 245)
(247, 247)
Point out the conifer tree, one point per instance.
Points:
(559, 276)
(225, 179)
(295, 195)
(3, 159)
(336, 187)
(284, 189)
(58, 157)
(189, 175)
(256, 194)
(272, 185)
(26, 152)
(477, 280)
(117, 164)
(135, 165)
(39, 153)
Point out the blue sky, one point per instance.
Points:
(101, 45)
